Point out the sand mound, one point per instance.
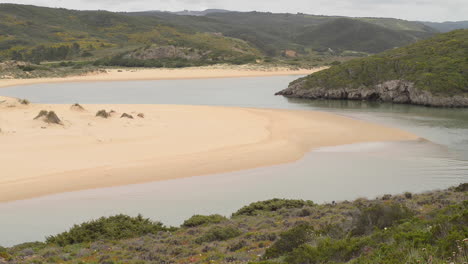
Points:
(77, 107)
(12, 102)
(23, 101)
(125, 115)
(49, 117)
(103, 114)
(141, 115)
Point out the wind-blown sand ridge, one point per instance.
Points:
(171, 141)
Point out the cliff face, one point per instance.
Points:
(394, 91)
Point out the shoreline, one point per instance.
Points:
(172, 141)
(131, 74)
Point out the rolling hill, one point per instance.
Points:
(447, 26)
(431, 72)
(274, 33)
(165, 39)
(42, 34)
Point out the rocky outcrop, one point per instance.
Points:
(395, 91)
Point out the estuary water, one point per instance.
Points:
(439, 160)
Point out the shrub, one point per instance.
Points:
(271, 206)
(114, 227)
(380, 216)
(290, 240)
(328, 250)
(463, 187)
(219, 234)
(198, 220)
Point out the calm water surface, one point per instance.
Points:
(335, 173)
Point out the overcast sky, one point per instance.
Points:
(427, 10)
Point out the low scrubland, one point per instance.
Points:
(430, 227)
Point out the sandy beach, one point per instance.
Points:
(171, 141)
(165, 74)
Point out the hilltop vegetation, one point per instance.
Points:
(429, 72)
(160, 39)
(305, 34)
(409, 228)
(39, 34)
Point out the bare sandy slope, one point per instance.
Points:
(170, 142)
(166, 74)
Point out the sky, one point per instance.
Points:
(421, 10)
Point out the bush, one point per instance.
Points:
(380, 216)
(271, 206)
(219, 234)
(463, 187)
(327, 250)
(290, 240)
(114, 227)
(198, 220)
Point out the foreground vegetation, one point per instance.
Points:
(409, 228)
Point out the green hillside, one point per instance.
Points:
(429, 72)
(273, 33)
(447, 26)
(408, 228)
(163, 39)
(356, 35)
(48, 34)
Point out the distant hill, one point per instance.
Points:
(356, 35)
(193, 38)
(431, 72)
(274, 33)
(200, 13)
(44, 34)
(447, 26)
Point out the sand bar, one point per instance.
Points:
(165, 74)
(171, 141)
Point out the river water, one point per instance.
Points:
(438, 161)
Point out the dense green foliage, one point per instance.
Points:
(271, 206)
(409, 228)
(198, 220)
(114, 227)
(438, 65)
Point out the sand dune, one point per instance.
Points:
(169, 142)
(166, 74)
